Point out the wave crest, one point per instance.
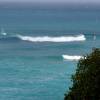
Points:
(72, 58)
(52, 39)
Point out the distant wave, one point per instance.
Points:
(4, 33)
(72, 58)
(52, 39)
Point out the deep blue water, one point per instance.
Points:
(36, 70)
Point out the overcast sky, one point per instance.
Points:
(81, 1)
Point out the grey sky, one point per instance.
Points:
(81, 1)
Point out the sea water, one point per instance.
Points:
(32, 66)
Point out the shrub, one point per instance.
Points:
(86, 80)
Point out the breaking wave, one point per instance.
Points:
(72, 58)
(52, 39)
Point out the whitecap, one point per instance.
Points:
(72, 57)
(52, 39)
(4, 33)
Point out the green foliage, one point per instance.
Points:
(86, 80)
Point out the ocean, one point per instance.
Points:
(33, 40)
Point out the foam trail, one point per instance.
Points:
(52, 39)
(72, 58)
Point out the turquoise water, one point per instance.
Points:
(36, 70)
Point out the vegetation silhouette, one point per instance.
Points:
(86, 80)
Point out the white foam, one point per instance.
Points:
(4, 33)
(52, 39)
(72, 58)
